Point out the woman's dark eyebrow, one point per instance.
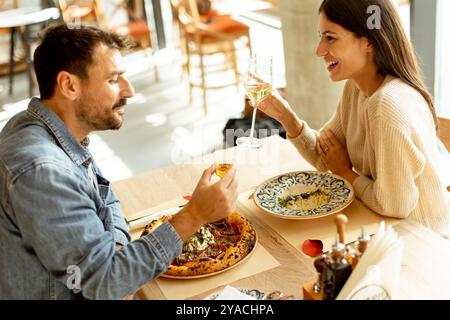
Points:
(327, 32)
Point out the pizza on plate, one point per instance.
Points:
(215, 247)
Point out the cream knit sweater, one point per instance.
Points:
(392, 144)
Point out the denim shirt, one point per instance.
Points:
(58, 229)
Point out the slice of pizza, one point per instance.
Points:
(214, 247)
(155, 224)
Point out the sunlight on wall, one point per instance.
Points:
(404, 8)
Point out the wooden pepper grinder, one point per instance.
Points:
(350, 253)
(340, 221)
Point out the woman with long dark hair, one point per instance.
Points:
(382, 137)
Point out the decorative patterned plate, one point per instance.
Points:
(339, 191)
(255, 293)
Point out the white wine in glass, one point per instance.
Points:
(257, 91)
(258, 85)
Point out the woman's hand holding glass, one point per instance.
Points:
(279, 109)
(275, 106)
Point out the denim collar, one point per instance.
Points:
(75, 150)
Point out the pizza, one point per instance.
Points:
(214, 247)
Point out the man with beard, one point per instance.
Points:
(62, 233)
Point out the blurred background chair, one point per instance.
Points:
(204, 32)
(125, 19)
(19, 59)
(24, 24)
(444, 131)
(85, 11)
(180, 41)
(4, 4)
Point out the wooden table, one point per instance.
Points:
(426, 259)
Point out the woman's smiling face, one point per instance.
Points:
(346, 56)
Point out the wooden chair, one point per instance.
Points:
(444, 131)
(206, 35)
(175, 4)
(136, 28)
(87, 11)
(444, 134)
(19, 61)
(15, 4)
(3, 6)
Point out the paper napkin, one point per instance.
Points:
(376, 276)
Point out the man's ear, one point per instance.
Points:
(68, 85)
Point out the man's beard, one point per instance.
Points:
(96, 123)
(113, 123)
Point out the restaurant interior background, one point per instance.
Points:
(162, 127)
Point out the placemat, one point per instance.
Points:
(323, 229)
(173, 289)
(259, 261)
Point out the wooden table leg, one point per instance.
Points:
(11, 61)
(26, 40)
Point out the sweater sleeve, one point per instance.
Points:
(398, 162)
(306, 141)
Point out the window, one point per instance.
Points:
(404, 7)
(442, 96)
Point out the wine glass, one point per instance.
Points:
(258, 86)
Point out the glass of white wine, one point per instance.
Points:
(258, 86)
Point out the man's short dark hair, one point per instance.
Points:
(70, 48)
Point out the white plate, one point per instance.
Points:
(255, 293)
(267, 194)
